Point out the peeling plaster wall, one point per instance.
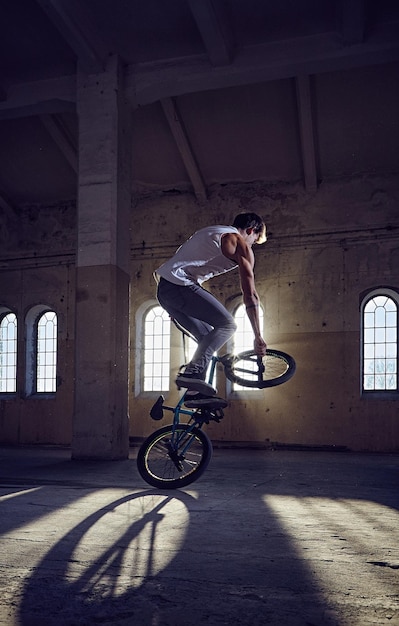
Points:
(37, 268)
(34, 231)
(28, 418)
(323, 252)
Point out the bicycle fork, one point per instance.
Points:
(180, 440)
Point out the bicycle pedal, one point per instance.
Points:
(209, 415)
(218, 415)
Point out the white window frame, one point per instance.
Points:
(46, 352)
(382, 350)
(31, 374)
(142, 363)
(8, 357)
(244, 327)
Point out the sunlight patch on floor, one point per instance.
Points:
(349, 546)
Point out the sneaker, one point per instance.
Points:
(198, 400)
(193, 382)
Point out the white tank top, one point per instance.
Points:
(199, 258)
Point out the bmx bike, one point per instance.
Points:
(178, 454)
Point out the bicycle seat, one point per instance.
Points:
(157, 409)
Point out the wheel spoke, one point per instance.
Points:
(173, 458)
(249, 370)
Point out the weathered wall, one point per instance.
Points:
(38, 419)
(323, 252)
(37, 268)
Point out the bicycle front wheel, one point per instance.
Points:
(249, 370)
(174, 457)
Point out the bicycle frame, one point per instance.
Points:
(177, 454)
(177, 437)
(178, 410)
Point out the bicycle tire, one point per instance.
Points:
(155, 463)
(278, 367)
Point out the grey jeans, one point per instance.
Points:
(201, 314)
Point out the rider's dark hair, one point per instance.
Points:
(251, 220)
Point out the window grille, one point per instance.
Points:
(244, 337)
(8, 353)
(156, 350)
(380, 344)
(46, 353)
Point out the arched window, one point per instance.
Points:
(46, 353)
(244, 336)
(8, 353)
(156, 350)
(380, 342)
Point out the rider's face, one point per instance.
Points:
(251, 237)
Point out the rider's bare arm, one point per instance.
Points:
(234, 247)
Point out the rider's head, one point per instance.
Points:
(251, 220)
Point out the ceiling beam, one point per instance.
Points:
(215, 32)
(353, 21)
(315, 54)
(305, 118)
(39, 108)
(179, 133)
(62, 137)
(74, 24)
(35, 98)
(146, 83)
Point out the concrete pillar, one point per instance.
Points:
(100, 427)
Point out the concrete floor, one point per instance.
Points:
(282, 538)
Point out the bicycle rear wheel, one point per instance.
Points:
(249, 370)
(174, 457)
